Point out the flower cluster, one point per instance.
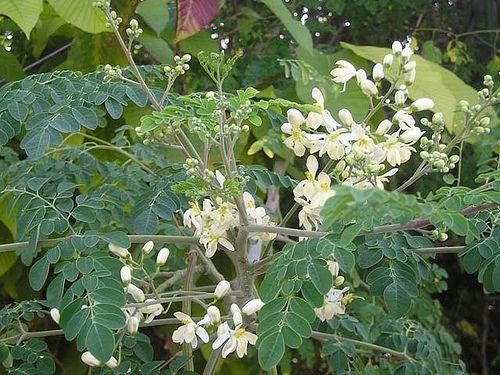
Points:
(360, 154)
(236, 338)
(214, 220)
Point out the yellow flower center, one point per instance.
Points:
(240, 332)
(319, 106)
(309, 175)
(325, 186)
(390, 144)
(296, 135)
(333, 137)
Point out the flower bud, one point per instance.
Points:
(378, 72)
(388, 59)
(222, 288)
(132, 325)
(407, 53)
(162, 257)
(422, 104)
(439, 164)
(214, 314)
(120, 251)
(134, 24)
(90, 360)
(55, 315)
(383, 127)
(485, 121)
(424, 155)
(339, 280)
(454, 159)
(186, 58)
(148, 246)
(136, 293)
(236, 313)
(369, 88)
(442, 237)
(333, 267)
(409, 77)
(360, 76)
(411, 135)
(408, 67)
(112, 363)
(253, 306)
(346, 117)
(397, 48)
(400, 98)
(126, 275)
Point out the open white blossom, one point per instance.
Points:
(343, 73)
(235, 340)
(189, 331)
(297, 141)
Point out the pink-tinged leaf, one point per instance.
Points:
(193, 15)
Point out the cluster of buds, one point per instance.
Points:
(192, 167)
(102, 4)
(243, 111)
(438, 234)
(113, 20)
(134, 31)
(436, 158)
(112, 73)
(181, 66)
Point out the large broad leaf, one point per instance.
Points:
(299, 32)
(81, 14)
(155, 13)
(432, 81)
(48, 23)
(157, 47)
(24, 13)
(10, 69)
(193, 15)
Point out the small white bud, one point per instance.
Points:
(112, 363)
(132, 325)
(360, 76)
(346, 117)
(222, 288)
(214, 314)
(407, 53)
(383, 127)
(333, 267)
(90, 360)
(411, 135)
(397, 48)
(410, 77)
(378, 72)
(388, 59)
(162, 257)
(454, 159)
(236, 313)
(253, 306)
(134, 24)
(136, 293)
(408, 67)
(148, 246)
(55, 315)
(422, 104)
(126, 275)
(400, 98)
(120, 251)
(369, 88)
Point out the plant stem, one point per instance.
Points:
(213, 360)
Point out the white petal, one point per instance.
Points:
(318, 96)
(202, 334)
(220, 340)
(312, 165)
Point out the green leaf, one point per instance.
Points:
(192, 16)
(137, 95)
(349, 233)
(116, 238)
(146, 222)
(432, 81)
(85, 264)
(302, 308)
(158, 47)
(38, 273)
(81, 14)
(368, 257)
(299, 324)
(109, 296)
(18, 110)
(398, 301)
(299, 32)
(154, 13)
(100, 342)
(311, 294)
(24, 13)
(114, 108)
(320, 276)
(345, 258)
(75, 323)
(110, 316)
(292, 338)
(271, 350)
(86, 117)
(272, 307)
(10, 68)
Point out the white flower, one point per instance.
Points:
(407, 53)
(360, 76)
(409, 77)
(363, 141)
(411, 135)
(214, 314)
(315, 120)
(132, 325)
(333, 305)
(126, 275)
(162, 257)
(404, 120)
(346, 117)
(112, 363)
(343, 73)
(148, 246)
(396, 151)
(55, 315)
(237, 339)
(253, 306)
(90, 360)
(212, 237)
(120, 251)
(409, 66)
(192, 218)
(222, 288)
(422, 104)
(188, 331)
(369, 88)
(298, 140)
(400, 98)
(152, 310)
(136, 293)
(397, 48)
(378, 72)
